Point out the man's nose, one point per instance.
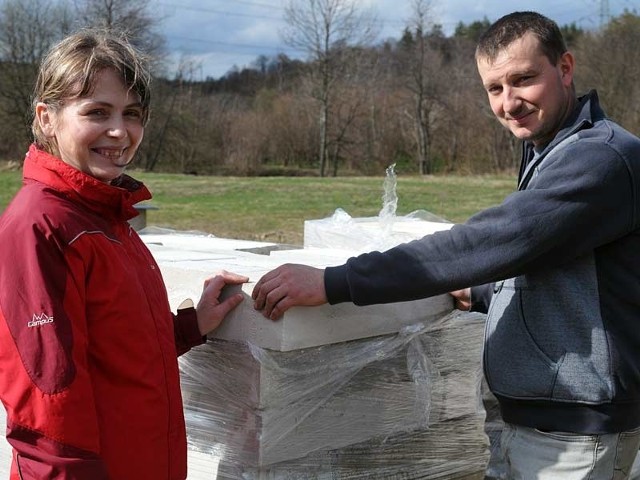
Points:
(511, 101)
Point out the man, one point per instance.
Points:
(559, 260)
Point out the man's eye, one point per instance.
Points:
(522, 80)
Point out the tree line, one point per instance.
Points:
(354, 105)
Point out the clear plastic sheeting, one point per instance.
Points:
(385, 231)
(401, 406)
(341, 231)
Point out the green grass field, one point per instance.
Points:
(275, 208)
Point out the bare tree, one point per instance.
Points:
(325, 29)
(423, 67)
(352, 133)
(131, 17)
(292, 133)
(609, 60)
(27, 29)
(168, 120)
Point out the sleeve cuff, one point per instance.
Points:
(481, 297)
(187, 331)
(336, 285)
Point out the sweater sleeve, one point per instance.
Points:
(45, 382)
(581, 200)
(187, 333)
(481, 297)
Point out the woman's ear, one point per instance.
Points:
(45, 118)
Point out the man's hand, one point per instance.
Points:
(210, 310)
(462, 299)
(289, 286)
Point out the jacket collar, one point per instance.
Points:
(114, 202)
(584, 115)
(586, 112)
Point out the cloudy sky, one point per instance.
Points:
(216, 35)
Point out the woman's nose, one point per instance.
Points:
(117, 127)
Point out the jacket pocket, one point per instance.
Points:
(515, 365)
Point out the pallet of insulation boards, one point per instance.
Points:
(398, 406)
(330, 392)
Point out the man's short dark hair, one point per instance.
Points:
(504, 31)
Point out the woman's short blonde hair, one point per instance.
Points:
(70, 68)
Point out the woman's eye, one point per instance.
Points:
(134, 113)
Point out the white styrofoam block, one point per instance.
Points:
(336, 423)
(200, 242)
(186, 279)
(318, 257)
(201, 465)
(302, 327)
(172, 255)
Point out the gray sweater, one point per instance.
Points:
(562, 257)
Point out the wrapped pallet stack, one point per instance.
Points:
(340, 392)
(398, 406)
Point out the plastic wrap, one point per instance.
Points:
(341, 231)
(405, 406)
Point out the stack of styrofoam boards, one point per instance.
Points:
(404, 406)
(320, 393)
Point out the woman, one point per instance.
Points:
(88, 345)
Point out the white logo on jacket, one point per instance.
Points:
(38, 320)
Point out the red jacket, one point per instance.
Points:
(88, 369)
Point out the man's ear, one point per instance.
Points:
(44, 117)
(567, 65)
